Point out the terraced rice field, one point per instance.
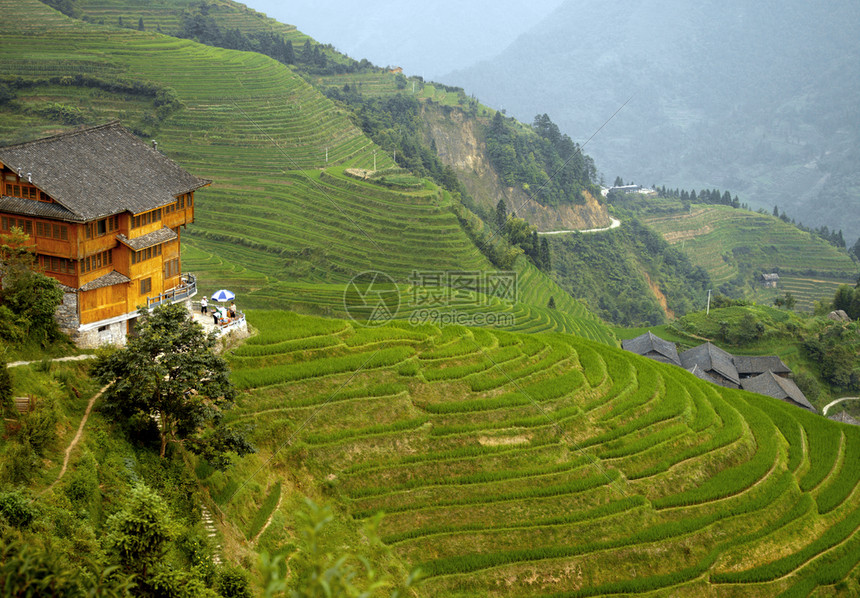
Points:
(369, 84)
(720, 238)
(809, 290)
(167, 15)
(547, 465)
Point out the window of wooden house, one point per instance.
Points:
(52, 230)
(171, 268)
(59, 265)
(102, 227)
(100, 260)
(145, 286)
(146, 218)
(146, 254)
(8, 223)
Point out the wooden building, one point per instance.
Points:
(105, 212)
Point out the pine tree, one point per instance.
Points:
(289, 53)
(501, 215)
(776, 211)
(140, 24)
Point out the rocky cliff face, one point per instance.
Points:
(460, 145)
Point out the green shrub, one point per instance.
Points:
(17, 509)
(233, 582)
(27, 569)
(39, 427)
(82, 482)
(20, 464)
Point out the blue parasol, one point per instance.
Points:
(223, 295)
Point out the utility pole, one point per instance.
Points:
(395, 156)
(374, 160)
(708, 310)
(326, 155)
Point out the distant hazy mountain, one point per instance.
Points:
(425, 38)
(761, 98)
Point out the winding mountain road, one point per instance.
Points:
(615, 224)
(832, 403)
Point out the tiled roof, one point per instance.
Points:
(702, 375)
(100, 171)
(646, 343)
(844, 418)
(108, 280)
(162, 235)
(758, 364)
(777, 387)
(36, 209)
(711, 358)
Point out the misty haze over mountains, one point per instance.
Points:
(425, 38)
(757, 98)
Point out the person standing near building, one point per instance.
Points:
(203, 305)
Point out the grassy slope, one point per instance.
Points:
(726, 241)
(525, 465)
(261, 133)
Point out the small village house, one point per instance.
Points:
(770, 281)
(105, 212)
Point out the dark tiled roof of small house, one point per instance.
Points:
(777, 387)
(844, 418)
(758, 364)
(162, 235)
(108, 280)
(711, 359)
(648, 343)
(100, 171)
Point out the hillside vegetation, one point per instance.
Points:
(629, 275)
(520, 465)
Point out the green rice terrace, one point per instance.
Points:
(166, 15)
(728, 242)
(539, 465)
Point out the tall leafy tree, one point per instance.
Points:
(31, 296)
(170, 370)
